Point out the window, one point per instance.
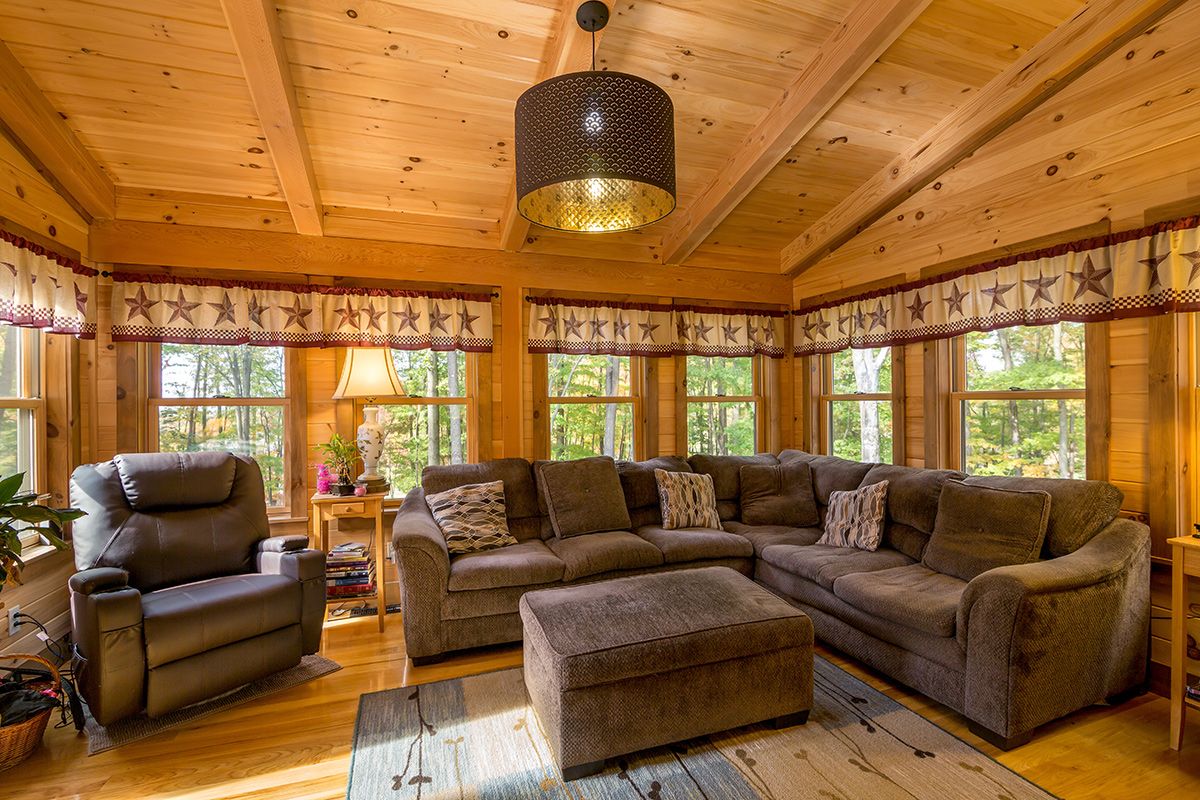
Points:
(429, 426)
(21, 405)
(856, 404)
(591, 406)
(1018, 400)
(224, 397)
(722, 405)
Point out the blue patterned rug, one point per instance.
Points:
(476, 737)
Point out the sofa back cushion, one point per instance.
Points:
(912, 505)
(981, 527)
(1078, 509)
(520, 492)
(726, 476)
(778, 494)
(832, 474)
(166, 545)
(641, 490)
(581, 496)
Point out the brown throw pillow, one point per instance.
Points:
(582, 496)
(778, 494)
(687, 499)
(855, 519)
(980, 528)
(471, 517)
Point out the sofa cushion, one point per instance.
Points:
(832, 474)
(981, 528)
(181, 621)
(604, 552)
(823, 563)
(696, 544)
(855, 519)
(637, 478)
(778, 494)
(912, 493)
(471, 517)
(581, 496)
(686, 500)
(520, 494)
(526, 563)
(176, 480)
(762, 536)
(726, 471)
(905, 538)
(913, 595)
(1078, 509)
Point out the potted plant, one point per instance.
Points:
(20, 513)
(341, 457)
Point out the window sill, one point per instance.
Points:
(37, 552)
(283, 519)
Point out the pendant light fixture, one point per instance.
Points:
(595, 149)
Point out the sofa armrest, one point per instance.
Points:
(424, 566)
(308, 568)
(283, 544)
(110, 652)
(98, 579)
(1046, 638)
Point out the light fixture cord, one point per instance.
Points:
(593, 50)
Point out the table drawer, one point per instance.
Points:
(349, 508)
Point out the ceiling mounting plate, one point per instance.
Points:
(592, 16)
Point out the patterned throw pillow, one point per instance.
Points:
(687, 500)
(855, 519)
(471, 517)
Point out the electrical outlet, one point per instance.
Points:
(13, 622)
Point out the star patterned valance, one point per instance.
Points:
(153, 308)
(41, 289)
(1137, 273)
(652, 330)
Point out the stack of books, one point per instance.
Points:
(349, 572)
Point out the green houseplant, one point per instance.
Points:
(341, 456)
(20, 513)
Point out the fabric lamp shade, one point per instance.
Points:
(368, 372)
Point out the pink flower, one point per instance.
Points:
(323, 485)
(360, 491)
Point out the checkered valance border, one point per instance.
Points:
(153, 308)
(1149, 271)
(653, 330)
(41, 289)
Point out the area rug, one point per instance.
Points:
(477, 737)
(101, 737)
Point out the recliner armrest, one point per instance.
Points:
(98, 579)
(302, 564)
(283, 544)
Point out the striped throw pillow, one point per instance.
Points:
(687, 500)
(472, 517)
(855, 519)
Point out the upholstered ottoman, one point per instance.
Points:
(624, 665)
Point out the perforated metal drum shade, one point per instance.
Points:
(595, 152)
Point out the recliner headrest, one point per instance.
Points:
(176, 480)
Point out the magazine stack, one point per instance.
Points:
(349, 572)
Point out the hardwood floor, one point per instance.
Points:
(296, 745)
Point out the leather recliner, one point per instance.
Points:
(182, 593)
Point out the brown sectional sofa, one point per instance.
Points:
(1013, 648)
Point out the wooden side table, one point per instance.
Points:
(326, 508)
(1185, 561)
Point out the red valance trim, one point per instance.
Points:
(297, 288)
(665, 307)
(37, 249)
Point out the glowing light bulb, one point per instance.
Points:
(595, 188)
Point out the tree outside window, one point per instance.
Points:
(722, 405)
(1020, 403)
(591, 406)
(224, 397)
(21, 403)
(857, 404)
(430, 425)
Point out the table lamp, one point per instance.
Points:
(369, 373)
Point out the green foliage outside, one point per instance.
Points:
(861, 430)
(717, 427)
(215, 372)
(419, 434)
(580, 430)
(1033, 438)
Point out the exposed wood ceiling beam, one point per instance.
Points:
(850, 50)
(40, 130)
(569, 51)
(1069, 51)
(198, 248)
(259, 44)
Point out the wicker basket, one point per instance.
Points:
(17, 742)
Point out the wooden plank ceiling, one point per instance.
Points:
(394, 118)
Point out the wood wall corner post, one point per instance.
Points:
(1097, 405)
(296, 369)
(60, 390)
(809, 410)
(481, 372)
(899, 403)
(938, 438)
(512, 346)
(681, 406)
(541, 406)
(133, 397)
(645, 439)
(1166, 467)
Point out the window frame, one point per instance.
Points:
(826, 397)
(635, 399)
(758, 398)
(31, 397)
(959, 396)
(469, 400)
(292, 401)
